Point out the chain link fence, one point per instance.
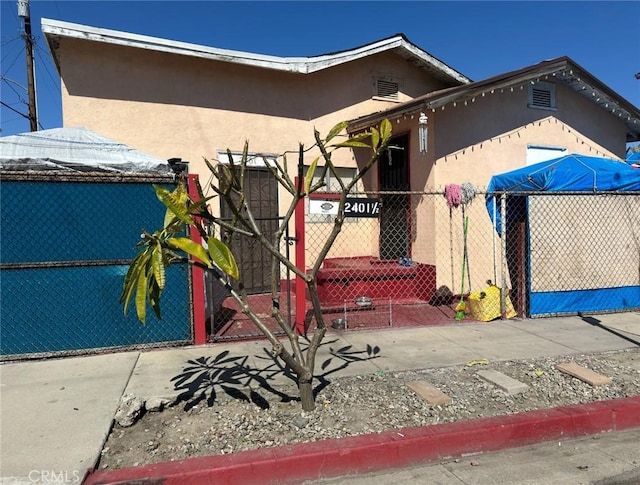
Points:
(67, 241)
(572, 252)
(409, 258)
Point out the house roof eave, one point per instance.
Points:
(563, 70)
(398, 44)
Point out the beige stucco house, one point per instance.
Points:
(173, 99)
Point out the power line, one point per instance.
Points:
(10, 83)
(14, 110)
(42, 57)
(7, 66)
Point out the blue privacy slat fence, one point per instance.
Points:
(65, 248)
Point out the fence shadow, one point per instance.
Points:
(598, 323)
(206, 378)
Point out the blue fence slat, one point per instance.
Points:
(86, 230)
(58, 309)
(71, 221)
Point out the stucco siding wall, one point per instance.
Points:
(178, 106)
(490, 136)
(170, 105)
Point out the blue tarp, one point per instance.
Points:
(569, 173)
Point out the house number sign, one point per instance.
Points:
(361, 207)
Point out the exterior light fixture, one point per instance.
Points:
(422, 133)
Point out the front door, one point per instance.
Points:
(254, 261)
(393, 170)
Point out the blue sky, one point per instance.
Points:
(479, 39)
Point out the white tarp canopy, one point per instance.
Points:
(74, 150)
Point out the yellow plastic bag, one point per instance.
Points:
(485, 305)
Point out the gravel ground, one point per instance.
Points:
(362, 404)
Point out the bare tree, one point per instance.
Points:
(146, 275)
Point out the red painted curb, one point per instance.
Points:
(392, 449)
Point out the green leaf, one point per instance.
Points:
(129, 276)
(188, 246)
(154, 298)
(175, 201)
(335, 130)
(222, 257)
(365, 135)
(210, 166)
(309, 178)
(225, 178)
(385, 129)
(138, 265)
(375, 138)
(157, 262)
(169, 218)
(352, 144)
(141, 297)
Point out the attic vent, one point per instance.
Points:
(386, 87)
(542, 95)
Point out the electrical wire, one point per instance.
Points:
(13, 109)
(9, 66)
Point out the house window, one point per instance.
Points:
(386, 87)
(331, 186)
(542, 95)
(542, 153)
(253, 159)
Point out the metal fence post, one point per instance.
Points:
(197, 277)
(503, 242)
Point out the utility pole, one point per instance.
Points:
(23, 11)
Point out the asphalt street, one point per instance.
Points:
(605, 459)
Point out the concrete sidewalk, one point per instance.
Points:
(55, 415)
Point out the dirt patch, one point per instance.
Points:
(237, 420)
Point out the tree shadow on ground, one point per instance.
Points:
(205, 378)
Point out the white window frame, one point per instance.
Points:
(542, 153)
(253, 159)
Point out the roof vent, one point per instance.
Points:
(386, 87)
(542, 95)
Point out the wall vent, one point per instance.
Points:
(386, 87)
(542, 95)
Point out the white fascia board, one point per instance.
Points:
(302, 65)
(437, 64)
(83, 32)
(321, 62)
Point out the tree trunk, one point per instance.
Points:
(306, 395)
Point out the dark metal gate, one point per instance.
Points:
(254, 261)
(224, 317)
(394, 213)
(225, 320)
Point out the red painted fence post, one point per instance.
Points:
(197, 277)
(301, 287)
